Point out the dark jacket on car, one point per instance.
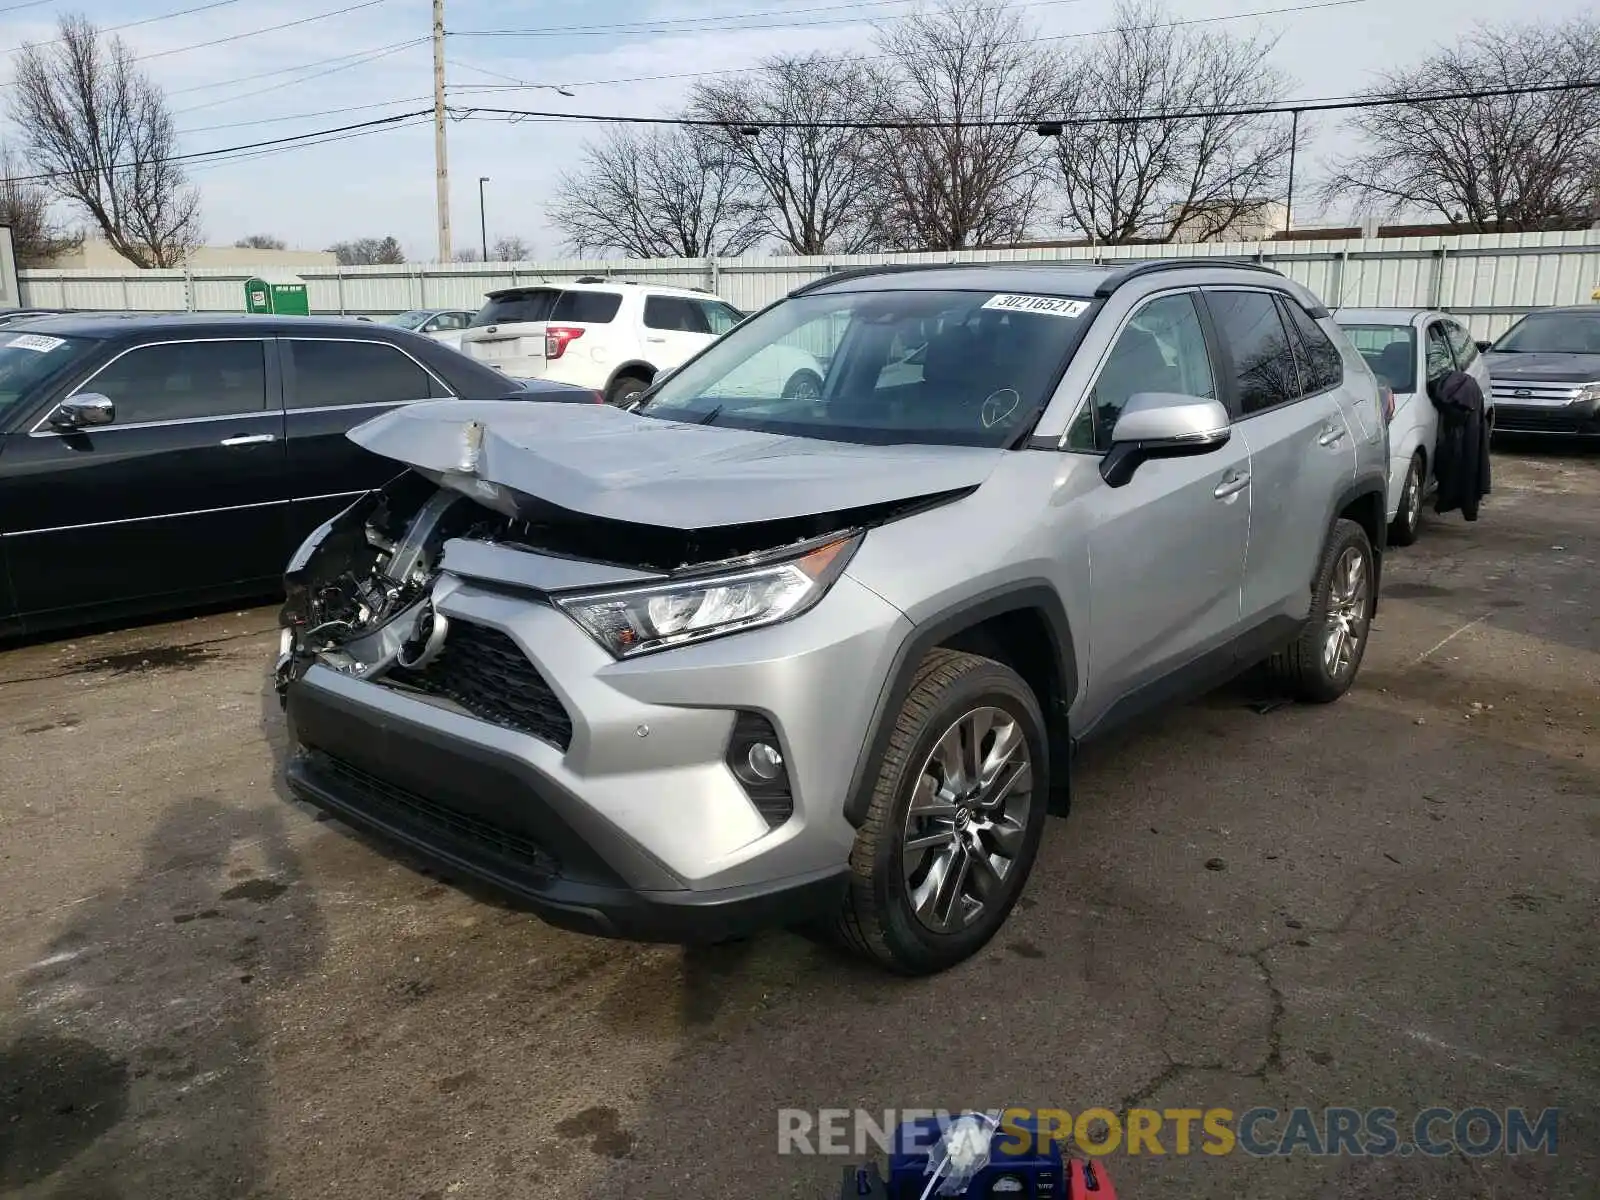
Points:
(1461, 453)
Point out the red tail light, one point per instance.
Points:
(556, 338)
(1386, 393)
(599, 397)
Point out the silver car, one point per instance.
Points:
(1411, 350)
(729, 660)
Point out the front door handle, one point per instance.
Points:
(1331, 435)
(249, 439)
(655, 339)
(1232, 484)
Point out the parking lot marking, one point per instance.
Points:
(1434, 649)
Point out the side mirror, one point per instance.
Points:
(1163, 425)
(1483, 347)
(83, 410)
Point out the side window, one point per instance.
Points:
(587, 308)
(185, 379)
(1263, 363)
(1321, 367)
(1461, 342)
(721, 317)
(1440, 360)
(330, 373)
(1161, 349)
(675, 313)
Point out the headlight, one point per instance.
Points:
(1588, 395)
(637, 620)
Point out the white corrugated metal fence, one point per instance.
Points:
(1490, 279)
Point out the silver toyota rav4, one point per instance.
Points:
(731, 659)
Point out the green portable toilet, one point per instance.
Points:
(284, 299)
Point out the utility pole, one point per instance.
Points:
(483, 220)
(440, 159)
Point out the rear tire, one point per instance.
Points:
(1320, 665)
(1408, 519)
(901, 909)
(625, 389)
(803, 385)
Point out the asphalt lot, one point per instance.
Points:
(207, 991)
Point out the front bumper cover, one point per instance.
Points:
(490, 816)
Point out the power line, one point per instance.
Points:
(1057, 37)
(1284, 107)
(624, 25)
(219, 151)
(360, 62)
(316, 62)
(641, 28)
(250, 33)
(230, 159)
(305, 116)
(183, 12)
(20, 7)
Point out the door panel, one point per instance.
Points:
(1302, 451)
(164, 501)
(1167, 549)
(330, 387)
(1166, 558)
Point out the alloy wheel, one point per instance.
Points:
(967, 819)
(1347, 611)
(1413, 495)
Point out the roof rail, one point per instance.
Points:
(1151, 266)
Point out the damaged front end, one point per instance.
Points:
(357, 591)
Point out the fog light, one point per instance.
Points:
(765, 761)
(757, 763)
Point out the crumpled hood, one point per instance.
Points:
(1543, 368)
(604, 462)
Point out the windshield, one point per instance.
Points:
(1391, 352)
(29, 361)
(410, 320)
(948, 367)
(511, 308)
(1553, 333)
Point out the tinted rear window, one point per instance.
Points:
(511, 308)
(586, 308)
(1391, 352)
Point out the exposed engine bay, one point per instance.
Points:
(358, 593)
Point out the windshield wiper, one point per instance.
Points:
(710, 416)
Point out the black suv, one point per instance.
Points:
(152, 461)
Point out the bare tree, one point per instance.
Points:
(261, 241)
(665, 193)
(510, 249)
(99, 129)
(819, 183)
(367, 252)
(957, 180)
(467, 254)
(25, 206)
(1193, 176)
(1493, 162)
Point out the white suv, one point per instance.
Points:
(617, 337)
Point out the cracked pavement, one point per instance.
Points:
(206, 990)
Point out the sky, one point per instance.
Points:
(328, 71)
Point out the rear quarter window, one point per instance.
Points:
(587, 308)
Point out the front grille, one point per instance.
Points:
(486, 673)
(1544, 395)
(1533, 420)
(384, 800)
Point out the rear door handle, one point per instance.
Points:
(1331, 435)
(1232, 484)
(249, 439)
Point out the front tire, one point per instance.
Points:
(1320, 665)
(955, 819)
(1408, 520)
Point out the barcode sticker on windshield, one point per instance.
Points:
(35, 341)
(1053, 306)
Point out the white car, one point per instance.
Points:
(441, 324)
(617, 337)
(1410, 350)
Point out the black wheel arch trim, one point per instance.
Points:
(637, 368)
(1372, 482)
(1036, 595)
